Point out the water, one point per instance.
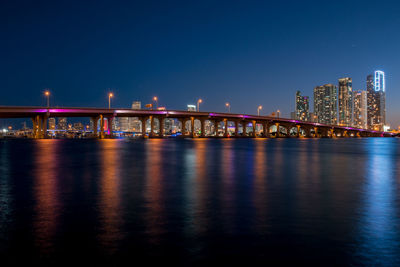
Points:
(195, 202)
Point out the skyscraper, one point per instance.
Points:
(345, 102)
(302, 107)
(136, 105)
(360, 118)
(135, 123)
(376, 100)
(325, 104)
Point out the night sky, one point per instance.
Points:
(248, 53)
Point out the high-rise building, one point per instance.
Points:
(123, 124)
(191, 107)
(325, 104)
(302, 107)
(62, 124)
(52, 123)
(360, 118)
(376, 100)
(345, 100)
(135, 123)
(136, 105)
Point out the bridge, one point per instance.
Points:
(283, 127)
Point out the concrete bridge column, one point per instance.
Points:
(151, 134)
(183, 128)
(203, 128)
(44, 129)
(101, 126)
(216, 127)
(94, 121)
(288, 128)
(143, 120)
(161, 121)
(315, 132)
(254, 129)
(236, 128)
(298, 131)
(192, 133)
(332, 132)
(109, 126)
(35, 127)
(266, 129)
(345, 133)
(244, 124)
(277, 130)
(225, 127)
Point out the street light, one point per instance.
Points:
(110, 95)
(198, 104)
(155, 99)
(278, 113)
(47, 94)
(258, 110)
(228, 106)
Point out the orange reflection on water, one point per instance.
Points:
(198, 188)
(260, 184)
(110, 202)
(155, 219)
(228, 184)
(47, 208)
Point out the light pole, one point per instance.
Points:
(228, 106)
(47, 94)
(278, 113)
(155, 99)
(110, 95)
(258, 110)
(198, 104)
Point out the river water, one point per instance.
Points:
(200, 201)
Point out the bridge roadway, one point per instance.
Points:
(39, 116)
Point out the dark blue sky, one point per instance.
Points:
(246, 52)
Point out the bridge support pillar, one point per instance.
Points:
(101, 127)
(225, 127)
(298, 135)
(277, 130)
(203, 128)
(94, 122)
(35, 127)
(216, 127)
(254, 129)
(236, 128)
(183, 128)
(244, 124)
(266, 129)
(316, 132)
(192, 132)
(161, 121)
(109, 127)
(151, 134)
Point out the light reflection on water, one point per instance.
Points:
(241, 200)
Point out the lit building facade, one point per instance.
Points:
(325, 104)
(302, 107)
(376, 98)
(191, 107)
(360, 109)
(345, 99)
(52, 123)
(62, 124)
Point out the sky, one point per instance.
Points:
(247, 53)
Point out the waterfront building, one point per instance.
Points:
(123, 124)
(325, 104)
(191, 107)
(302, 107)
(376, 98)
(52, 123)
(62, 123)
(78, 126)
(345, 100)
(136, 105)
(360, 117)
